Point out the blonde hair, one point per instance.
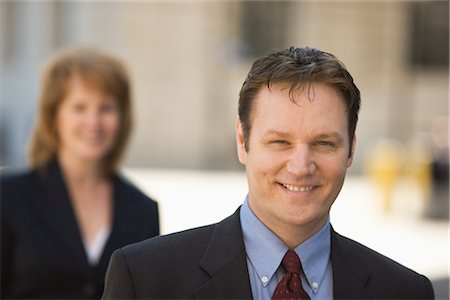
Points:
(99, 69)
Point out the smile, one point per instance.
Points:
(295, 188)
(92, 138)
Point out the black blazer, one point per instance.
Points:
(210, 263)
(42, 254)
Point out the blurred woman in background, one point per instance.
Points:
(62, 219)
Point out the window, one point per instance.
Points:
(264, 26)
(429, 34)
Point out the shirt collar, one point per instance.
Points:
(314, 255)
(265, 250)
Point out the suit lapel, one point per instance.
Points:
(350, 273)
(225, 261)
(50, 199)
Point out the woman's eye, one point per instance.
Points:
(78, 107)
(109, 107)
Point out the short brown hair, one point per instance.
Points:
(103, 71)
(298, 67)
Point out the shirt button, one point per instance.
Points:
(315, 285)
(264, 279)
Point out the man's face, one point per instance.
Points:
(297, 157)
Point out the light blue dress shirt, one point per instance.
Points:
(265, 252)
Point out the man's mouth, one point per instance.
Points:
(295, 188)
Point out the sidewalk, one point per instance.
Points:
(194, 198)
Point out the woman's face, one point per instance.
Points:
(87, 122)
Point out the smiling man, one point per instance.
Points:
(295, 134)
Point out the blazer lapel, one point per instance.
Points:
(350, 273)
(51, 201)
(225, 261)
(120, 223)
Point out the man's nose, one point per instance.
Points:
(301, 162)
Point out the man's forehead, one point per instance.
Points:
(272, 117)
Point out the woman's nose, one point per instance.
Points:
(93, 119)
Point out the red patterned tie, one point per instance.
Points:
(290, 287)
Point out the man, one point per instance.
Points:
(295, 134)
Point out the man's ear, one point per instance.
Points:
(352, 153)
(240, 143)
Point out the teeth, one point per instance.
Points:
(298, 188)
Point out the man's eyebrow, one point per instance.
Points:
(333, 135)
(330, 135)
(276, 132)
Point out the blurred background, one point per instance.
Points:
(188, 60)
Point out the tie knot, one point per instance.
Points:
(291, 262)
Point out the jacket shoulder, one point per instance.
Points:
(191, 242)
(385, 275)
(140, 208)
(376, 260)
(14, 178)
(133, 193)
(154, 264)
(14, 183)
(176, 246)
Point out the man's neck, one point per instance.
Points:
(291, 234)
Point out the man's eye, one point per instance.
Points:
(279, 142)
(325, 143)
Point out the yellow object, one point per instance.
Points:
(384, 166)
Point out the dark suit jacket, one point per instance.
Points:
(42, 254)
(210, 263)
